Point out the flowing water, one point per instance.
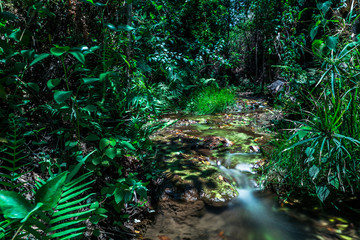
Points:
(253, 215)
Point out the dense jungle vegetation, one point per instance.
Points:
(83, 84)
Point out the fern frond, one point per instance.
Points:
(13, 155)
(50, 110)
(6, 228)
(63, 219)
(68, 215)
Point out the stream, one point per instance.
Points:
(226, 146)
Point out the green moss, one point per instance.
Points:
(206, 179)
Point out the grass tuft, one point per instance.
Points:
(210, 100)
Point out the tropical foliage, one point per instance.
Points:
(86, 82)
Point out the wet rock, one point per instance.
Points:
(276, 86)
(213, 142)
(255, 149)
(219, 196)
(189, 181)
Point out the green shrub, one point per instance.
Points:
(210, 100)
(320, 156)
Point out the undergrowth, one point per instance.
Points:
(210, 100)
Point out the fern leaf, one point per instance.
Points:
(77, 181)
(70, 210)
(71, 236)
(69, 216)
(65, 205)
(63, 225)
(70, 231)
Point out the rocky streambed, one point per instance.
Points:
(208, 165)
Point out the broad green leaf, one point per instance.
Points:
(104, 75)
(53, 83)
(334, 181)
(111, 153)
(96, 161)
(127, 145)
(322, 192)
(301, 13)
(94, 205)
(28, 54)
(118, 195)
(31, 212)
(90, 80)
(111, 26)
(70, 144)
(79, 56)
(94, 48)
(92, 137)
(313, 32)
(309, 151)
(18, 36)
(317, 47)
(314, 171)
(100, 4)
(128, 197)
(104, 143)
(101, 211)
(58, 51)
(141, 191)
(34, 86)
(49, 194)
(19, 66)
(40, 57)
(90, 108)
(8, 16)
(331, 43)
(13, 205)
(6, 47)
(324, 7)
(303, 131)
(112, 142)
(94, 219)
(125, 28)
(62, 96)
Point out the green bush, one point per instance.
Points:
(320, 156)
(210, 100)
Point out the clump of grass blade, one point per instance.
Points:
(210, 100)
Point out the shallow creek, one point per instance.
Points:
(228, 145)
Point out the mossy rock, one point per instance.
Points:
(193, 180)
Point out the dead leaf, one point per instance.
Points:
(164, 238)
